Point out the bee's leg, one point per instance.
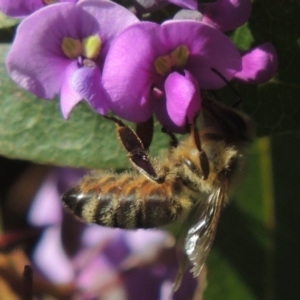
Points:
(137, 153)
(144, 131)
(174, 140)
(203, 157)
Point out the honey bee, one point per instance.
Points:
(189, 184)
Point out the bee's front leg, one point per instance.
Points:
(137, 153)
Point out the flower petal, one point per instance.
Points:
(259, 64)
(100, 279)
(69, 98)
(20, 8)
(50, 258)
(36, 60)
(226, 15)
(183, 102)
(143, 284)
(191, 4)
(46, 208)
(87, 82)
(129, 71)
(95, 235)
(113, 18)
(187, 14)
(143, 240)
(147, 6)
(209, 49)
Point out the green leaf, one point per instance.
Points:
(33, 129)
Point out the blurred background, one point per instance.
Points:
(256, 251)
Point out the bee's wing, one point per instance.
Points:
(200, 236)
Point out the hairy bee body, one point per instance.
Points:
(127, 200)
(131, 200)
(188, 184)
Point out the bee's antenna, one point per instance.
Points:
(238, 102)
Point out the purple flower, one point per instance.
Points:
(226, 15)
(181, 52)
(168, 64)
(102, 262)
(46, 211)
(61, 49)
(146, 6)
(23, 8)
(259, 64)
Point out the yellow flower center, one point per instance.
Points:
(89, 47)
(92, 46)
(72, 48)
(177, 58)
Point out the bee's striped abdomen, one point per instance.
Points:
(125, 201)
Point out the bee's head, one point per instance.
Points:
(216, 151)
(226, 162)
(225, 136)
